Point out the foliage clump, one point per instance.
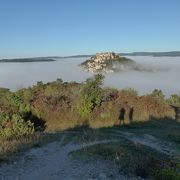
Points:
(158, 94)
(14, 126)
(167, 174)
(91, 95)
(174, 99)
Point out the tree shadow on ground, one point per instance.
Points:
(163, 128)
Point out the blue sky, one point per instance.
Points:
(68, 27)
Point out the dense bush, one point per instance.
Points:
(61, 105)
(174, 137)
(3, 91)
(91, 95)
(167, 174)
(14, 100)
(174, 99)
(14, 126)
(158, 94)
(109, 94)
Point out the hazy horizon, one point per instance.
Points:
(163, 75)
(69, 55)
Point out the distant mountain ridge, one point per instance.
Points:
(53, 58)
(26, 60)
(155, 54)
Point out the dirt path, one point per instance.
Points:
(150, 141)
(52, 162)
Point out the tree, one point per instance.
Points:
(158, 94)
(91, 95)
(174, 99)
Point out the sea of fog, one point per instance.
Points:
(164, 74)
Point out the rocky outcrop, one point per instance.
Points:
(106, 63)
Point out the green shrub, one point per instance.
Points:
(24, 109)
(59, 81)
(14, 100)
(15, 127)
(40, 83)
(158, 94)
(167, 174)
(3, 116)
(174, 99)
(174, 137)
(91, 95)
(52, 90)
(3, 91)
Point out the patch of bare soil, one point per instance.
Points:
(52, 162)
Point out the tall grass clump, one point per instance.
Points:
(130, 91)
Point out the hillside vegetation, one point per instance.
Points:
(60, 105)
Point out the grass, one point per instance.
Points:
(161, 129)
(168, 130)
(86, 135)
(134, 159)
(165, 130)
(130, 159)
(9, 147)
(174, 136)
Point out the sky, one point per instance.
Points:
(32, 28)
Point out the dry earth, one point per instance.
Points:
(53, 161)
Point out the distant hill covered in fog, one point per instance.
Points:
(53, 58)
(25, 60)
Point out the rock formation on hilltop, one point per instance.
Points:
(106, 63)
